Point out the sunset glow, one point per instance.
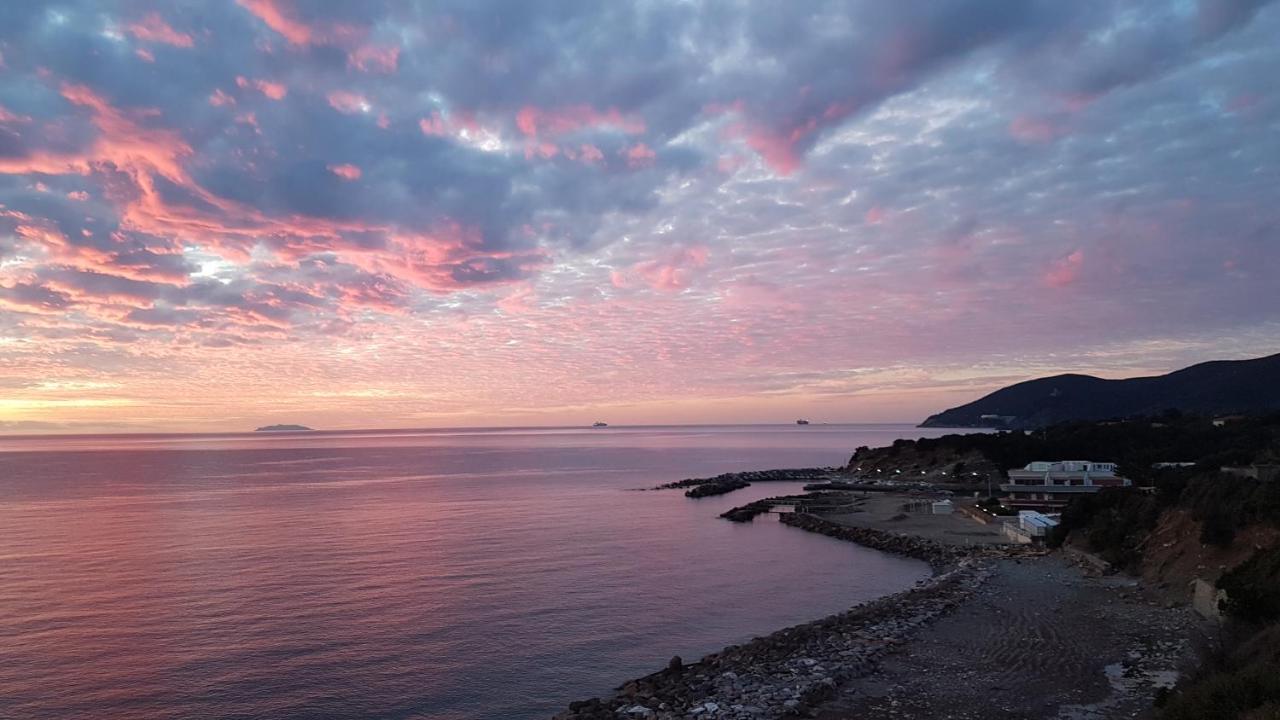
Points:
(214, 217)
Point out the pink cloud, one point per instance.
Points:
(729, 164)
(433, 125)
(1244, 104)
(751, 294)
(145, 55)
(347, 102)
(221, 99)
(673, 272)
(279, 17)
(1065, 271)
(443, 259)
(543, 150)
(640, 155)
(782, 147)
(273, 90)
(875, 215)
(590, 154)
(153, 28)
(517, 302)
(345, 171)
(374, 58)
(1032, 129)
(78, 195)
(533, 121)
(7, 117)
(778, 151)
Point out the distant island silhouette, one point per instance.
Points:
(283, 428)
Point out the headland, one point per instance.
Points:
(1076, 624)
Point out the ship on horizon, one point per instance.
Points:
(598, 424)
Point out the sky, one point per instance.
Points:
(219, 215)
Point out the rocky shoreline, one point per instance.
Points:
(937, 554)
(789, 672)
(728, 482)
(809, 502)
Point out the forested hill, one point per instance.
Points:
(1213, 388)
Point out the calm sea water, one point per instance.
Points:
(428, 574)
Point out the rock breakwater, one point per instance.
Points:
(728, 482)
(791, 671)
(809, 502)
(937, 554)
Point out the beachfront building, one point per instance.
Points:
(1046, 485)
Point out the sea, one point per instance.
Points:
(435, 574)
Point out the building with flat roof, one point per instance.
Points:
(1050, 485)
(1030, 527)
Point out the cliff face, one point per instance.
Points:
(1213, 388)
(1173, 555)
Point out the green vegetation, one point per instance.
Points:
(1253, 588)
(1250, 692)
(1243, 683)
(1136, 445)
(1115, 522)
(993, 506)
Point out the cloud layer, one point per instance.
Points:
(481, 211)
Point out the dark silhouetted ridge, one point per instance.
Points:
(1221, 387)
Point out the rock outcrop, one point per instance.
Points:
(809, 502)
(728, 482)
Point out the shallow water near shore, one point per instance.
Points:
(397, 574)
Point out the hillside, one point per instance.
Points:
(1212, 388)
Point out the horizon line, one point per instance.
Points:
(335, 431)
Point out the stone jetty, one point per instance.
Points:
(791, 671)
(728, 482)
(809, 502)
(938, 555)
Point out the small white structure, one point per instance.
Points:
(1031, 527)
(941, 507)
(1035, 523)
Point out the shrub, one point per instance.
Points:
(1229, 695)
(1253, 588)
(1217, 529)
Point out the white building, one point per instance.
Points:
(1049, 485)
(1031, 527)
